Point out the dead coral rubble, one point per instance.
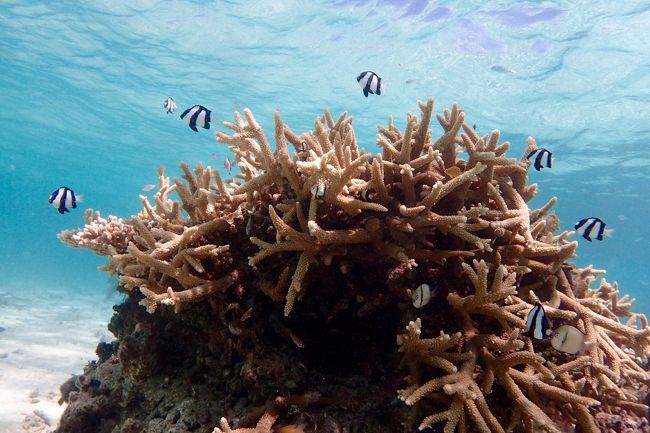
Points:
(301, 223)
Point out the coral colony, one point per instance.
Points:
(340, 291)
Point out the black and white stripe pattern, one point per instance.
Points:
(543, 158)
(421, 296)
(369, 82)
(318, 190)
(169, 105)
(195, 116)
(537, 324)
(62, 198)
(590, 228)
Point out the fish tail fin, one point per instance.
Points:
(608, 232)
(79, 198)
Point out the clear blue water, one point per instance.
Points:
(82, 86)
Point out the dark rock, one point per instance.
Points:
(180, 373)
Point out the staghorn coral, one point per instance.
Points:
(483, 360)
(101, 235)
(263, 425)
(165, 257)
(384, 224)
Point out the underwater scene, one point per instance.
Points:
(347, 216)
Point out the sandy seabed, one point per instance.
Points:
(45, 337)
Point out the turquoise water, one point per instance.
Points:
(82, 86)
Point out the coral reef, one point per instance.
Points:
(290, 281)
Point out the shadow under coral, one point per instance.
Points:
(169, 372)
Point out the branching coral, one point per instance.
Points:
(452, 211)
(263, 425)
(167, 257)
(483, 360)
(101, 235)
(402, 224)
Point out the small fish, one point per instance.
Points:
(474, 127)
(195, 116)
(62, 198)
(318, 190)
(249, 226)
(297, 341)
(302, 147)
(227, 164)
(537, 324)
(592, 227)
(169, 105)
(568, 339)
(421, 296)
(453, 171)
(543, 159)
(370, 83)
(213, 156)
(502, 69)
(148, 187)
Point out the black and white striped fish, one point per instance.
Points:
(370, 83)
(169, 105)
(592, 227)
(318, 190)
(421, 295)
(197, 116)
(63, 198)
(543, 158)
(538, 326)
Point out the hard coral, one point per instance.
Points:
(101, 235)
(349, 234)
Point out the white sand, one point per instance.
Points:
(48, 336)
